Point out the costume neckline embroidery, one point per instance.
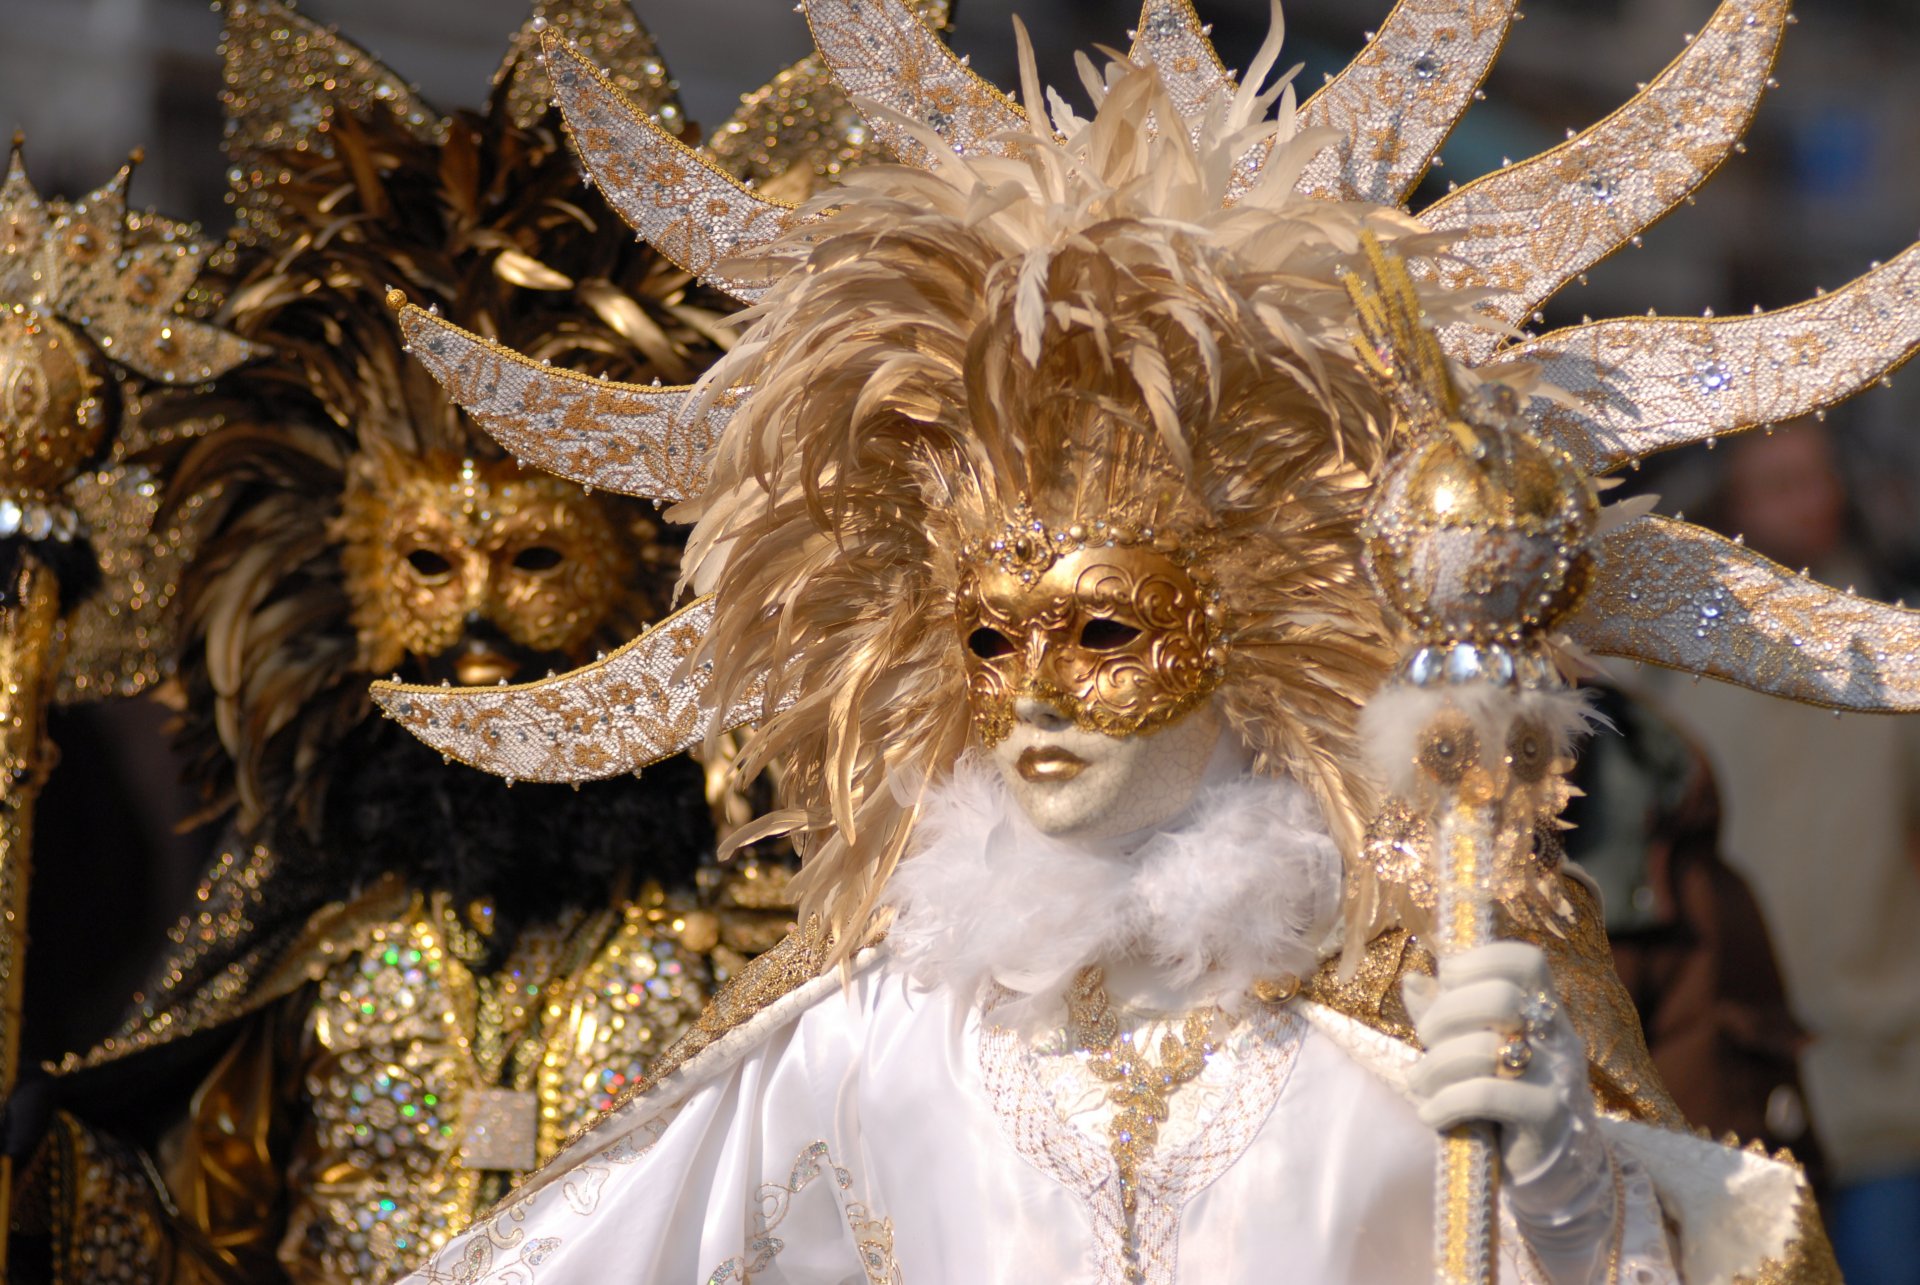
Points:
(1166, 1180)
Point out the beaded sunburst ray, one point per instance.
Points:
(1667, 592)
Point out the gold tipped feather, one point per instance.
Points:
(1092, 344)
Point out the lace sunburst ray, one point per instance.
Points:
(1668, 592)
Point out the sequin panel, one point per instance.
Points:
(608, 32)
(1396, 102)
(1648, 384)
(114, 1235)
(649, 442)
(881, 52)
(799, 129)
(1172, 38)
(677, 199)
(617, 715)
(1683, 597)
(1529, 228)
(641, 994)
(120, 637)
(384, 1086)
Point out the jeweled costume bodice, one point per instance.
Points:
(403, 1077)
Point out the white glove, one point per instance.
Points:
(1495, 1003)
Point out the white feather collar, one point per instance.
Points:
(1244, 886)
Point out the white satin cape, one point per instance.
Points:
(868, 1130)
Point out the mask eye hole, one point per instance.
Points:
(428, 565)
(1101, 634)
(989, 644)
(537, 557)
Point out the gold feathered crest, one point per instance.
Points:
(1144, 305)
(1094, 340)
(480, 214)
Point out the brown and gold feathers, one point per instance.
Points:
(481, 215)
(1163, 279)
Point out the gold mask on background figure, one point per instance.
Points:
(1122, 638)
(509, 566)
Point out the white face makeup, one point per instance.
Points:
(1074, 783)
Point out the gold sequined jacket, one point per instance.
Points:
(380, 1084)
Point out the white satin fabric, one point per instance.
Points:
(873, 1131)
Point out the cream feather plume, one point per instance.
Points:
(1084, 326)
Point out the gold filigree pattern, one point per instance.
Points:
(430, 544)
(1648, 384)
(874, 1236)
(1140, 1081)
(1681, 596)
(1528, 229)
(676, 198)
(880, 51)
(630, 709)
(1808, 1259)
(1395, 104)
(1142, 1248)
(1122, 638)
(629, 438)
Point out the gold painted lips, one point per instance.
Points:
(1049, 763)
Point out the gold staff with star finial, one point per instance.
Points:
(89, 319)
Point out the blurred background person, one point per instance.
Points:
(1821, 820)
(1689, 941)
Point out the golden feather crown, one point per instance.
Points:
(347, 181)
(1664, 591)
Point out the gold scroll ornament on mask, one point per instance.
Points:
(1122, 638)
(436, 546)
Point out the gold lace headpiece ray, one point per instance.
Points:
(1666, 591)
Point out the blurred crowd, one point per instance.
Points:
(1758, 859)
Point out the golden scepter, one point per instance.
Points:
(89, 324)
(1477, 540)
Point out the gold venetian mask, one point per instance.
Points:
(446, 552)
(1122, 638)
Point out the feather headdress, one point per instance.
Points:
(1140, 311)
(1098, 341)
(479, 214)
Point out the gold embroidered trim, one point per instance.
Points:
(1141, 1081)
